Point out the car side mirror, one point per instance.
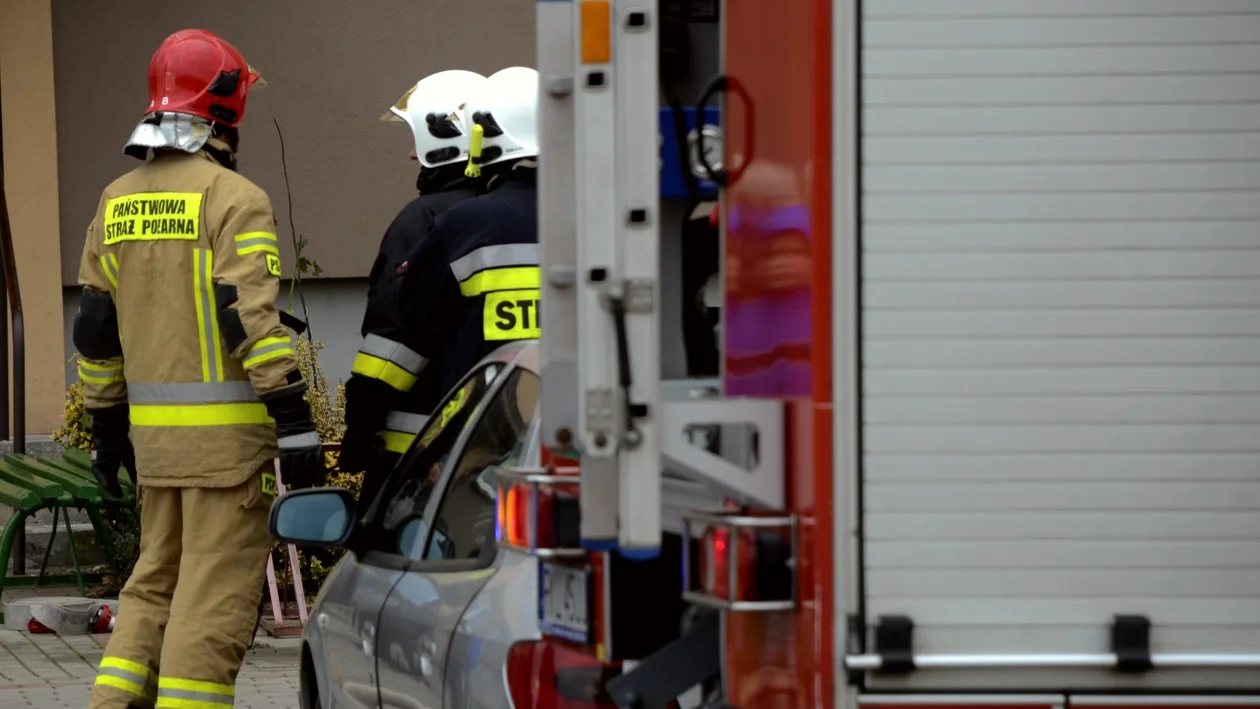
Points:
(319, 517)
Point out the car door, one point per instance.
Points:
(423, 639)
(347, 618)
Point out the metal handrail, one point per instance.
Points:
(13, 296)
(1102, 660)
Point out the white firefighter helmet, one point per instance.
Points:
(434, 109)
(502, 118)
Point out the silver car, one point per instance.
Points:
(422, 613)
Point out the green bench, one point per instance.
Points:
(29, 484)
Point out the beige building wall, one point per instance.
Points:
(332, 68)
(31, 186)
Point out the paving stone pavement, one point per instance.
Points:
(56, 672)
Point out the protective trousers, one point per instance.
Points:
(187, 613)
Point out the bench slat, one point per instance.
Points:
(72, 464)
(78, 456)
(19, 497)
(76, 485)
(14, 475)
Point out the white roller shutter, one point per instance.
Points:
(1061, 320)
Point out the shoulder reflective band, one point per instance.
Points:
(153, 216)
(109, 264)
(256, 242)
(128, 676)
(196, 404)
(207, 316)
(391, 362)
(194, 694)
(498, 267)
(401, 428)
(268, 349)
(101, 372)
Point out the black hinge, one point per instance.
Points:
(894, 643)
(1131, 643)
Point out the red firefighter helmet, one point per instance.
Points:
(198, 73)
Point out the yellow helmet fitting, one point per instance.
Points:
(474, 152)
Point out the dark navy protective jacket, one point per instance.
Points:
(475, 283)
(392, 388)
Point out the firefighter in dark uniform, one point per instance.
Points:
(391, 392)
(474, 284)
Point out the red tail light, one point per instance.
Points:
(715, 560)
(514, 513)
(545, 676)
(557, 523)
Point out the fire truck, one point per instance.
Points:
(984, 429)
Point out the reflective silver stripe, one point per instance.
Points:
(191, 393)
(189, 695)
(497, 256)
(256, 241)
(136, 679)
(405, 422)
(396, 352)
(300, 440)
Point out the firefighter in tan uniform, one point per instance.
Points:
(184, 357)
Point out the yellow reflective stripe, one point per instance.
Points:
(194, 694)
(180, 703)
(207, 316)
(255, 242)
(492, 279)
(199, 414)
(511, 315)
(112, 376)
(382, 369)
(453, 407)
(395, 441)
(109, 264)
(128, 676)
(268, 349)
(125, 685)
(100, 368)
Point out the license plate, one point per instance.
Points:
(563, 602)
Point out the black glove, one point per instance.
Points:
(301, 452)
(361, 450)
(368, 402)
(111, 448)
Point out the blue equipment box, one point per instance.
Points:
(672, 185)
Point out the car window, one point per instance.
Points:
(465, 521)
(407, 491)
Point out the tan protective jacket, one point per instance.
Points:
(170, 241)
